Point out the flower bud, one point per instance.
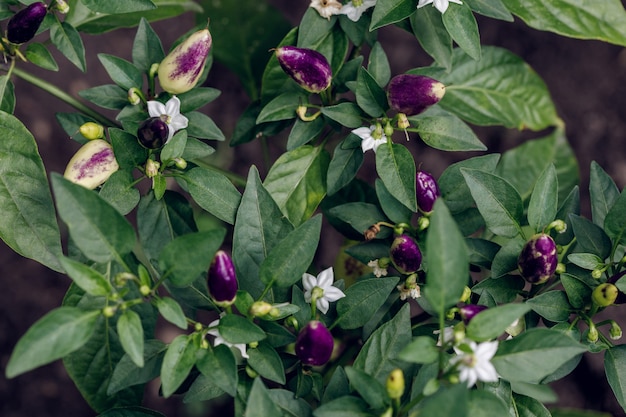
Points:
(222, 280)
(395, 384)
(405, 254)
(307, 67)
(92, 165)
(538, 259)
(615, 332)
(467, 312)
(181, 69)
(604, 294)
(592, 335)
(412, 94)
(91, 130)
(314, 344)
(260, 309)
(61, 6)
(153, 133)
(180, 163)
(426, 191)
(152, 168)
(24, 24)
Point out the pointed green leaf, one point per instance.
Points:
(370, 97)
(220, 365)
(177, 363)
(396, 168)
(131, 336)
(282, 107)
(491, 8)
(122, 72)
(443, 130)
(591, 238)
(260, 403)
(266, 361)
(491, 323)
(171, 311)
(39, 55)
(433, 36)
(238, 329)
(119, 6)
(127, 374)
(391, 11)
(393, 209)
(378, 65)
(615, 220)
(68, 41)
(347, 114)
(451, 401)
(362, 300)
(543, 203)
(147, 48)
(369, 388)
(304, 132)
(602, 193)
(343, 166)
(615, 368)
(90, 280)
(462, 27)
(203, 127)
(7, 93)
(422, 349)
(213, 192)
(120, 192)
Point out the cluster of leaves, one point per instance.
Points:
(125, 277)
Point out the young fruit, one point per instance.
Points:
(314, 344)
(405, 254)
(23, 26)
(621, 297)
(605, 294)
(222, 280)
(92, 165)
(468, 311)
(91, 130)
(307, 67)
(412, 94)
(152, 133)
(538, 259)
(426, 191)
(181, 69)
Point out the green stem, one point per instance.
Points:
(63, 96)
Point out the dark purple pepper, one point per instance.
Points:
(412, 94)
(24, 24)
(405, 254)
(538, 259)
(307, 67)
(152, 133)
(426, 191)
(468, 311)
(222, 280)
(621, 297)
(314, 344)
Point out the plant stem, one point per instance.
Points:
(63, 96)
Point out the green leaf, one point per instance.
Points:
(289, 404)
(584, 19)
(28, 223)
(58, 333)
(615, 368)
(433, 36)
(422, 349)
(171, 311)
(491, 323)
(238, 329)
(498, 202)
(370, 97)
(372, 391)
(551, 305)
(220, 365)
(443, 130)
(615, 220)
(187, 256)
(543, 203)
(491, 8)
(447, 402)
(88, 279)
(303, 132)
(108, 96)
(283, 107)
(147, 48)
(291, 257)
(343, 166)
(391, 11)
(203, 388)
(259, 226)
(203, 127)
(177, 363)
(591, 238)
(346, 406)
(39, 55)
(602, 193)
(346, 114)
(362, 300)
(213, 192)
(501, 290)
(131, 336)
(196, 150)
(297, 182)
(197, 97)
(447, 260)
(394, 164)
(360, 216)
(483, 403)
(128, 152)
(578, 292)
(396, 211)
(7, 93)
(535, 354)
(527, 406)
(462, 27)
(96, 227)
(127, 374)
(119, 6)
(68, 41)
(122, 72)
(119, 191)
(266, 361)
(378, 65)
(259, 403)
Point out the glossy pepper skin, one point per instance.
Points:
(181, 69)
(92, 165)
(621, 297)
(314, 344)
(538, 260)
(152, 133)
(405, 254)
(426, 191)
(222, 280)
(468, 311)
(412, 94)
(23, 26)
(309, 68)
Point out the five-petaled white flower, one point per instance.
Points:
(321, 288)
(441, 5)
(378, 270)
(368, 141)
(219, 340)
(326, 8)
(474, 362)
(170, 113)
(355, 8)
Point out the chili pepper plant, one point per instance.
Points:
(470, 292)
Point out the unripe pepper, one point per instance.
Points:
(395, 384)
(25, 23)
(604, 294)
(222, 280)
(468, 311)
(405, 254)
(309, 68)
(91, 130)
(92, 165)
(314, 344)
(153, 133)
(538, 260)
(181, 69)
(426, 191)
(621, 297)
(412, 94)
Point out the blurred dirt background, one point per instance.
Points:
(587, 80)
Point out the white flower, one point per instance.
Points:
(219, 340)
(368, 141)
(377, 269)
(170, 112)
(409, 292)
(354, 11)
(441, 5)
(448, 336)
(326, 8)
(322, 288)
(476, 365)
